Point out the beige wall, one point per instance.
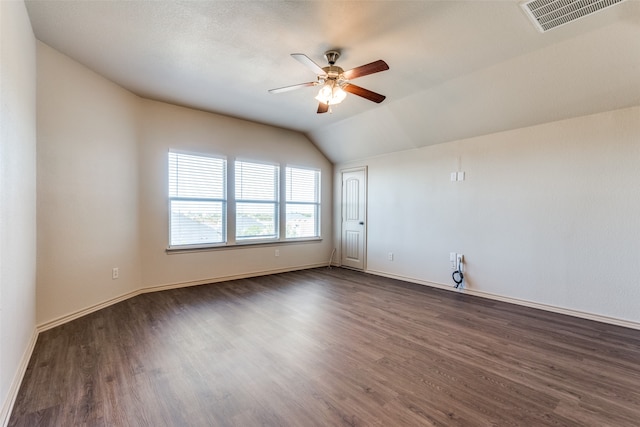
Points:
(547, 215)
(102, 190)
(17, 197)
(166, 126)
(87, 187)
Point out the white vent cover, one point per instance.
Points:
(549, 14)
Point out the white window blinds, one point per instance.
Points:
(256, 196)
(197, 199)
(302, 202)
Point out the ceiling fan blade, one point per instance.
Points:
(363, 70)
(365, 93)
(322, 108)
(292, 87)
(308, 62)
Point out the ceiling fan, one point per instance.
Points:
(334, 81)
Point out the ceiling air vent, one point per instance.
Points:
(549, 14)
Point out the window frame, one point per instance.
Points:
(223, 201)
(276, 236)
(316, 204)
(229, 202)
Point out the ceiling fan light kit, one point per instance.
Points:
(334, 81)
(331, 93)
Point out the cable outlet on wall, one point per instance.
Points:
(115, 273)
(460, 261)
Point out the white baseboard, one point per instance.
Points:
(163, 287)
(7, 405)
(80, 313)
(510, 300)
(156, 288)
(166, 286)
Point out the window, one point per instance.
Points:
(204, 203)
(303, 202)
(256, 200)
(197, 199)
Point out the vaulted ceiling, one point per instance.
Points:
(457, 68)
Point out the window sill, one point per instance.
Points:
(241, 245)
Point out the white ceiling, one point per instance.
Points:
(457, 68)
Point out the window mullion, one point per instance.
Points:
(231, 204)
(282, 207)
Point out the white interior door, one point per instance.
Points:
(354, 214)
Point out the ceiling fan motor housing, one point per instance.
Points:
(332, 56)
(333, 72)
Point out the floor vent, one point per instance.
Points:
(549, 14)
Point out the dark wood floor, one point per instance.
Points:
(329, 348)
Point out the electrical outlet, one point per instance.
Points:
(460, 261)
(390, 256)
(452, 260)
(277, 252)
(115, 273)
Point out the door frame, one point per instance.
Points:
(365, 171)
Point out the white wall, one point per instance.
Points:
(87, 187)
(17, 198)
(166, 126)
(548, 215)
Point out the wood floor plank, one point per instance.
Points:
(329, 347)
